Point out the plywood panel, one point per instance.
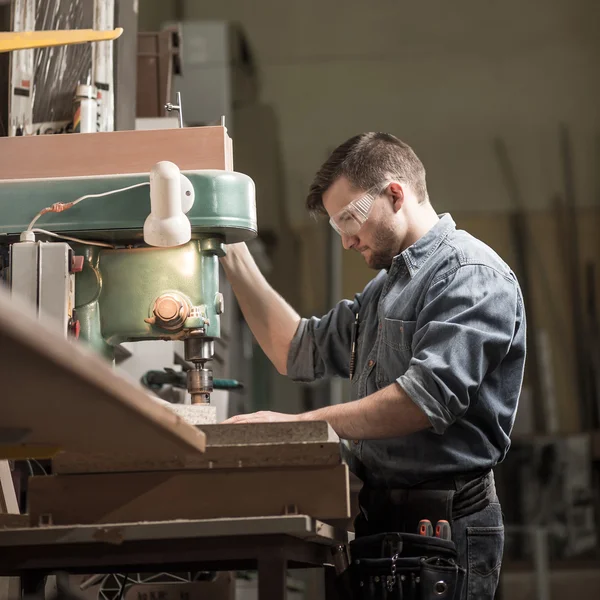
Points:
(114, 152)
(130, 497)
(59, 395)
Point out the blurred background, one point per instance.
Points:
(499, 100)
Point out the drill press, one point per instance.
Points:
(123, 264)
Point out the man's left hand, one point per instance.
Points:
(263, 416)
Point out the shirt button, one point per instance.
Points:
(355, 441)
(370, 363)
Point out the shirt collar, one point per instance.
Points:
(416, 255)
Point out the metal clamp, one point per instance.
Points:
(178, 107)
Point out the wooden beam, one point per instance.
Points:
(122, 152)
(321, 493)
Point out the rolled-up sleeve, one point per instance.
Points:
(321, 346)
(463, 331)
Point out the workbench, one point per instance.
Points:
(271, 545)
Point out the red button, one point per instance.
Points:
(77, 264)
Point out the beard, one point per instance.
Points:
(383, 250)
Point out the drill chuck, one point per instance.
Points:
(200, 384)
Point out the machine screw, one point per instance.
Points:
(170, 312)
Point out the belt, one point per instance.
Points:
(448, 499)
(453, 482)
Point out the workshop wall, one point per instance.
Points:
(447, 78)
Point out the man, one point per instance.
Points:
(439, 351)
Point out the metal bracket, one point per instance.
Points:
(178, 107)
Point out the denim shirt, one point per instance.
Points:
(447, 323)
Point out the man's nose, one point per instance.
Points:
(348, 241)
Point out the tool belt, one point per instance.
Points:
(390, 560)
(402, 566)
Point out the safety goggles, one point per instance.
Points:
(352, 217)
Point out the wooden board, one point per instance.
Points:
(248, 445)
(114, 152)
(321, 493)
(220, 457)
(58, 394)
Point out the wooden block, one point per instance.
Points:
(268, 433)
(114, 152)
(248, 445)
(322, 493)
(58, 394)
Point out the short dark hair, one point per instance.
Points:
(367, 160)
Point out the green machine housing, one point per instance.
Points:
(131, 291)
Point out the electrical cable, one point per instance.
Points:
(70, 239)
(62, 206)
(40, 466)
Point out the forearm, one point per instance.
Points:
(387, 413)
(271, 319)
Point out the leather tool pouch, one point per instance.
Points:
(402, 566)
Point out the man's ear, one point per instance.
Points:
(396, 193)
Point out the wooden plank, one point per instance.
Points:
(108, 153)
(219, 457)
(247, 445)
(322, 493)
(57, 393)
